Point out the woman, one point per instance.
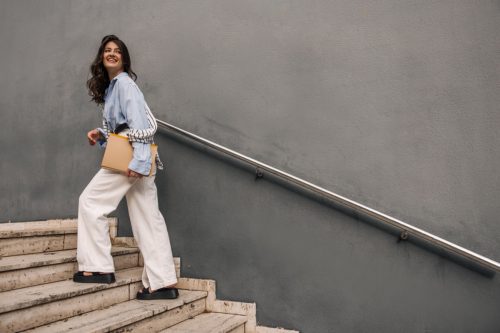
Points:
(112, 86)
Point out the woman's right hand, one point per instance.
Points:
(93, 136)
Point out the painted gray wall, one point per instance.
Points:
(392, 103)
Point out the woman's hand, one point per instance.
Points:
(93, 136)
(132, 173)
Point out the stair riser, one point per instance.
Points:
(165, 319)
(27, 318)
(239, 308)
(34, 276)
(39, 275)
(134, 287)
(210, 322)
(37, 244)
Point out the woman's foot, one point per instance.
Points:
(169, 292)
(94, 277)
(150, 290)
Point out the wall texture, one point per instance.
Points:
(392, 103)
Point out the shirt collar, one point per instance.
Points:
(112, 84)
(119, 75)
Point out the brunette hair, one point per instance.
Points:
(99, 81)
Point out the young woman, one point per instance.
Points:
(112, 86)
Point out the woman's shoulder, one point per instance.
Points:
(125, 81)
(124, 78)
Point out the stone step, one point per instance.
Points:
(30, 307)
(133, 316)
(39, 268)
(36, 244)
(36, 295)
(38, 228)
(210, 323)
(41, 236)
(36, 258)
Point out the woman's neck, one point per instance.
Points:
(112, 75)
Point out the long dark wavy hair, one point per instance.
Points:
(99, 81)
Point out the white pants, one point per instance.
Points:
(101, 196)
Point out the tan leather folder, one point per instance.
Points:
(118, 154)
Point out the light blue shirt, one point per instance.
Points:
(124, 103)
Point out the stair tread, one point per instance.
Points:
(119, 315)
(50, 258)
(45, 293)
(208, 323)
(38, 228)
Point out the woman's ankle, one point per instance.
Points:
(170, 286)
(90, 273)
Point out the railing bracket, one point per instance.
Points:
(403, 236)
(258, 174)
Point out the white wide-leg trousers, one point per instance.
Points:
(101, 196)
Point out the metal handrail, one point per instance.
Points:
(405, 228)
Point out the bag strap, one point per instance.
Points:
(120, 128)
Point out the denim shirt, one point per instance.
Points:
(124, 103)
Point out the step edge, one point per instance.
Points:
(148, 309)
(92, 287)
(115, 251)
(238, 308)
(46, 228)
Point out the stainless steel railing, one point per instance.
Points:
(406, 229)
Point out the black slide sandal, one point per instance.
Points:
(162, 293)
(96, 277)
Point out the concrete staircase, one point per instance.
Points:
(37, 294)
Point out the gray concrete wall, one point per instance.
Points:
(391, 103)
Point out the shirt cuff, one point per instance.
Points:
(102, 139)
(141, 161)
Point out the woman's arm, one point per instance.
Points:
(133, 108)
(144, 135)
(99, 135)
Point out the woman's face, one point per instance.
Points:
(112, 57)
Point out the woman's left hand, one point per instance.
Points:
(132, 173)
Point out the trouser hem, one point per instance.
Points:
(160, 284)
(85, 268)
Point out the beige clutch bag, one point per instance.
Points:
(118, 154)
